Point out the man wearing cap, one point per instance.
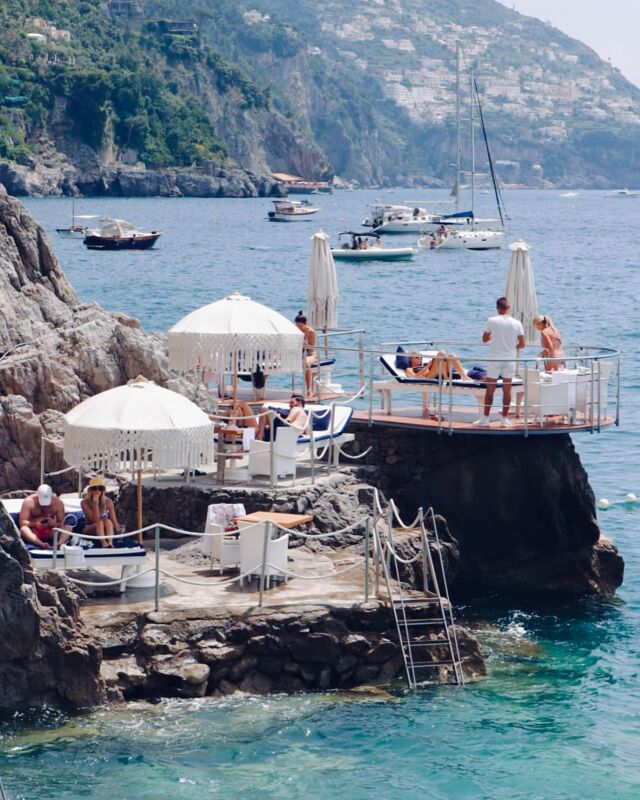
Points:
(40, 514)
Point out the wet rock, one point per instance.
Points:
(215, 653)
(316, 647)
(381, 651)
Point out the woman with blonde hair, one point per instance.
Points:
(99, 512)
(551, 343)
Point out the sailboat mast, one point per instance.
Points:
(458, 150)
(473, 148)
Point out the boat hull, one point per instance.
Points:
(141, 242)
(71, 233)
(472, 240)
(301, 216)
(375, 254)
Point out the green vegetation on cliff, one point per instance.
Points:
(134, 86)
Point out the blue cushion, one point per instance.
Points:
(477, 373)
(320, 420)
(402, 362)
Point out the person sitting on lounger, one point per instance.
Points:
(442, 365)
(297, 417)
(99, 513)
(40, 514)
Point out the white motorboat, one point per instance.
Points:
(361, 250)
(470, 239)
(623, 193)
(292, 210)
(118, 234)
(385, 218)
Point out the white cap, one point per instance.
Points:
(45, 494)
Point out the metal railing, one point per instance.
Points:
(586, 370)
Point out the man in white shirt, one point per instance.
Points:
(505, 336)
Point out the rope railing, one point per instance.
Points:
(391, 550)
(398, 518)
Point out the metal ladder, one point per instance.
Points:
(434, 612)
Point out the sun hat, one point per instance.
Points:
(45, 493)
(96, 482)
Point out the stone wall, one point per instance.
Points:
(216, 652)
(521, 509)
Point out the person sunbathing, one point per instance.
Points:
(444, 364)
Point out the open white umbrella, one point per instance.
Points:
(521, 289)
(137, 426)
(235, 335)
(322, 294)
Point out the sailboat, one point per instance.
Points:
(76, 231)
(478, 234)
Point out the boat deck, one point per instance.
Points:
(462, 418)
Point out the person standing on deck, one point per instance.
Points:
(505, 336)
(309, 350)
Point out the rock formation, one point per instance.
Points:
(54, 350)
(522, 510)
(46, 655)
(200, 652)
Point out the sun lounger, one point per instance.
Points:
(401, 382)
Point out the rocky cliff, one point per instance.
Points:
(54, 350)
(521, 510)
(46, 655)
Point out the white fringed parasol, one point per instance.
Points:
(322, 295)
(235, 335)
(138, 426)
(521, 289)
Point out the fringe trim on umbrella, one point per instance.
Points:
(216, 352)
(119, 450)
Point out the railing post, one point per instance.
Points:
(439, 394)
(157, 567)
(361, 359)
(378, 553)
(450, 402)
(367, 537)
(526, 400)
(371, 389)
(334, 458)
(272, 455)
(424, 543)
(265, 544)
(312, 449)
(599, 397)
(55, 548)
(591, 403)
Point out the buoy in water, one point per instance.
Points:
(630, 498)
(603, 503)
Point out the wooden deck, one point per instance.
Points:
(462, 418)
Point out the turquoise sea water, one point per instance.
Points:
(558, 717)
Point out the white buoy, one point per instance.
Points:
(630, 498)
(603, 503)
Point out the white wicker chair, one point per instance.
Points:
(252, 548)
(284, 455)
(219, 515)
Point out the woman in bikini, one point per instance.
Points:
(99, 513)
(309, 350)
(443, 364)
(551, 343)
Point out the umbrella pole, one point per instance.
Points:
(235, 377)
(139, 506)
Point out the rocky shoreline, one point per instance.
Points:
(120, 180)
(294, 649)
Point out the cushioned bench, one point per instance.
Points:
(401, 382)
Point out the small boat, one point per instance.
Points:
(76, 231)
(361, 250)
(292, 210)
(569, 194)
(471, 239)
(117, 234)
(623, 193)
(387, 218)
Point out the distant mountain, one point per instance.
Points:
(373, 81)
(210, 96)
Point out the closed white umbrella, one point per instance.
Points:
(521, 289)
(322, 295)
(234, 335)
(137, 425)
